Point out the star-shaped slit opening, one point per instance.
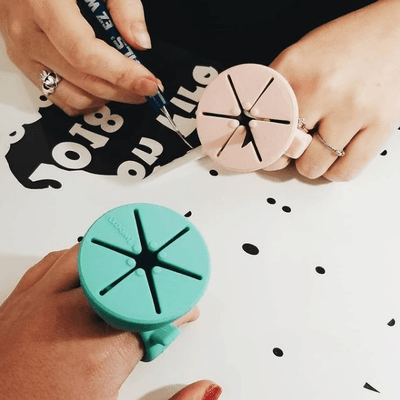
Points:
(244, 119)
(147, 259)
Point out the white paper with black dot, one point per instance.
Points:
(304, 296)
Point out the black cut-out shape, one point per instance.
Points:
(80, 238)
(13, 133)
(72, 155)
(369, 387)
(271, 200)
(384, 152)
(320, 270)
(250, 249)
(391, 322)
(213, 172)
(188, 214)
(43, 97)
(286, 209)
(278, 352)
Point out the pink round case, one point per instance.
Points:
(247, 119)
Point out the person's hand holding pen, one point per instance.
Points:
(54, 346)
(53, 35)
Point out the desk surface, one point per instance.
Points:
(335, 329)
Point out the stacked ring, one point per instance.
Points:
(339, 153)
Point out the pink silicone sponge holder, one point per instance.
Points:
(247, 120)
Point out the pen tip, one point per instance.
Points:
(176, 129)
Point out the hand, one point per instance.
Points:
(52, 35)
(53, 346)
(346, 76)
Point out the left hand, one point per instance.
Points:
(54, 346)
(346, 76)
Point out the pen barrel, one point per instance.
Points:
(109, 32)
(157, 102)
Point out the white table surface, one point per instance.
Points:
(332, 328)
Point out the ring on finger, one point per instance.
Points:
(50, 81)
(339, 153)
(301, 124)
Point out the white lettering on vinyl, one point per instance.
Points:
(83, 158)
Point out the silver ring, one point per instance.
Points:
(301, 124)
(339, 153)
(50, 81)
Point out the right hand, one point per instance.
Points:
(52, 35)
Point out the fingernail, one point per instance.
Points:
(160, 85)
(147, 87)
(140, 100)
(141, 36)
(213, 392)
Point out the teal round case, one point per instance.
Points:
(141, 267)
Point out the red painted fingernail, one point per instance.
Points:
(213, 392)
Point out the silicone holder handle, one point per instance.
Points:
(141, 267)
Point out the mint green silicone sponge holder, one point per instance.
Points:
(142, 266)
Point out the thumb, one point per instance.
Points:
(201, 390)
(129, 18)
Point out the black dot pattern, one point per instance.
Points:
(320, 270)
(213, 172)
(80, 239)
(278, 352)
(250, 249)
(391, 322)
(188, 214)
(384, 152)
(272, 201)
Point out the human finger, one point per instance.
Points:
(309, 102)
(74, 38)
(359, 153)
(130, 345)
(79, 297)
(63, 275)
(48, 55)
(200, 390)
(35, 273)
(191, 316)
(70, 98)
(129, 18)
(337, 131)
